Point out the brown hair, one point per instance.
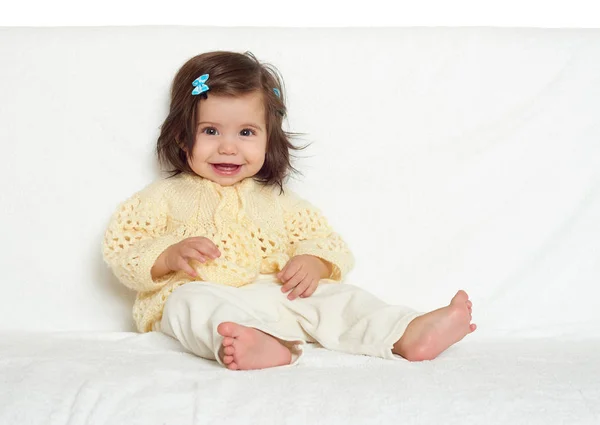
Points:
(231, 74)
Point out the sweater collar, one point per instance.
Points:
(246, 184)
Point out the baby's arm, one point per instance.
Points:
(310, 234)
(135, 238)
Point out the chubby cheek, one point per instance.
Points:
(198, 159)
(256, 154)
(257, 158)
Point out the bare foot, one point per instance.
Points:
(429, 335)
(247, 348)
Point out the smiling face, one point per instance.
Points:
(231, 138)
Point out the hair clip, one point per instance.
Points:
(199, 86)
(278, 94)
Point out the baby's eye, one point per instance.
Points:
(247, 132)
(211, 131)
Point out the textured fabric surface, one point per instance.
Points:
(256, 229)
(147, 379)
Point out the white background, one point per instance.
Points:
(306, 13)
(445, 78)
(447, 158)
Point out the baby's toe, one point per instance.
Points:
(229, 350)
(228, 329)
(228, 341)
(232, 366)
(460, 297)
(227, 360)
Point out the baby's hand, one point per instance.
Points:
(303, 273)
(177, 256)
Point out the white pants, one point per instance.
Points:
(338, 316)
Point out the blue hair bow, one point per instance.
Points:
(199, 86)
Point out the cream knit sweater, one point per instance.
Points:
(256, 228)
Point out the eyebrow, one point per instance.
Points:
(206, 122)
(256, 126)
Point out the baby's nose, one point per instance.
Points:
(228, 146)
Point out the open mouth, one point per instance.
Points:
(226, 169)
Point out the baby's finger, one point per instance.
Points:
(282, 272)
(202, 241)
(311, 289)
(287, 284)
(207, 247)
(302, 286)
(182, 264)
(291, 268)
(294, 281)
(212, 247)
(192, 254)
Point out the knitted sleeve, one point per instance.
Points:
(309, 233)
(135, 237)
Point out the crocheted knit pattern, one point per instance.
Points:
(256, 228)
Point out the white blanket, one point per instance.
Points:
(126, 378)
